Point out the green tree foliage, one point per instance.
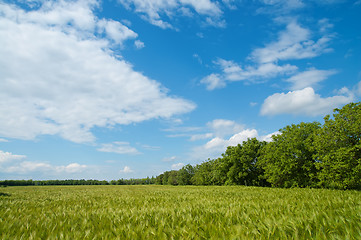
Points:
(185, 174)
(338, 147)
(244, 168)
(204, 173)
(288, 160)
(173, 178)
(159, 179)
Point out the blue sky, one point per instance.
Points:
(131, 88)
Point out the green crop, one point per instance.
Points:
(175, 212)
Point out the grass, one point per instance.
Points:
(167, 212)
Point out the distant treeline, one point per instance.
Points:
(140, 181)
(302, 155)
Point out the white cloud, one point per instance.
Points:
(126, 169)
(224, 127)
(118, 147)
(139, 44)
(325, 25)
(285, 4)
(3, 140)
(232, 71)
(253, 104)
(59, 77)
(71, 168)
(205, 7)
(304, 102)
(215, 128)
(292, 44)
(221, 134)
(268, 137)
(11, 163)
(197, 137)
(177, 166)
(149, 147)
(309, 78)
(215, 22)
(216, 146)
(155, 11)
(116, 31)
(242, 136)
(230, 4)
(169, 159)
(27, 167)
(8, 157)
(213, 81)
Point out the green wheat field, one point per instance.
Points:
(177, 212)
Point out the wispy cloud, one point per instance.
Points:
(159, 13)
(293, 43)
(309, 78)
(118, 147)
(169, 159)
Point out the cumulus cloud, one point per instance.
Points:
(8, 157)
(293, 43)
(177, 166)
(28, 167)
(126, 169)
(59, 75)
(217, 145)
(156, 11)
(72, 168)
(268, 137)
(12, 163)
(309, 78)
(305, 102)
(221, 144)
(118, 147)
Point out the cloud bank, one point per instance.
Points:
(59, 75)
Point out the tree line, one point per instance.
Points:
(301, 155)
(137, 181)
